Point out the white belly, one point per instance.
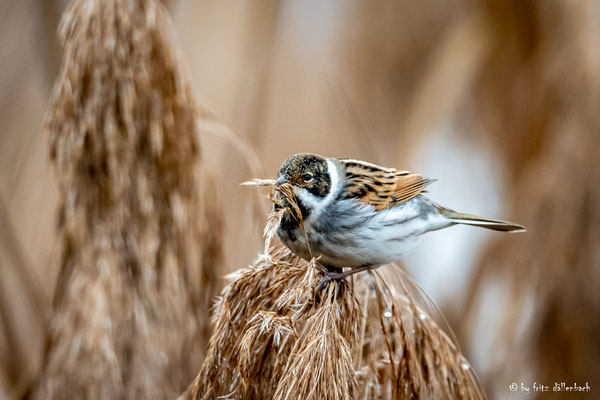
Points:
(353, 235)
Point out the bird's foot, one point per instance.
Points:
(340, 276)
(328, 278)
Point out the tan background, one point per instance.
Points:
(472, 93)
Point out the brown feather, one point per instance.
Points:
(379, 186)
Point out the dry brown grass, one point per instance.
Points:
(275, 337)
(139, 223)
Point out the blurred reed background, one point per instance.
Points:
(498, 100)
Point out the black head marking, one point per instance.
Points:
(308, 171)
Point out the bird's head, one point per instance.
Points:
(306, 171)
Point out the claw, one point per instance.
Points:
(324, 282)
(328, 278)
(340, 276)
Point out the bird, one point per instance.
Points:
(357, 216)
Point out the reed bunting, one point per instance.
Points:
(358, 215)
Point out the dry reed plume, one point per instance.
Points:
(141, 240)
(276, 337)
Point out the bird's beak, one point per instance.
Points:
(280, 181)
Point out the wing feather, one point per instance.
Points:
(379, 186)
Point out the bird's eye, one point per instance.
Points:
(307, 177)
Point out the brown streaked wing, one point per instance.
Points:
(382, 187)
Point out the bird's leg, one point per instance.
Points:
(338, 276)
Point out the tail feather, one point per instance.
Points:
(494, 224)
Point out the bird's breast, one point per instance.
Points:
(351, 234)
